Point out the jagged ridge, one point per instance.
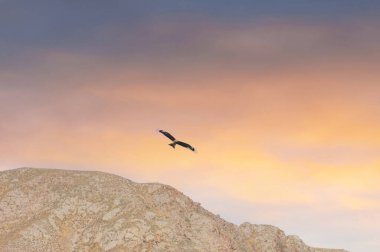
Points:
(61, 210)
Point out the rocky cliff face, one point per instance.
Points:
(59, 210)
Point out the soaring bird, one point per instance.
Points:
(174, 141)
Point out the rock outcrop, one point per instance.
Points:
(60, 210)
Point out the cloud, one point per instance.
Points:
(285, 114)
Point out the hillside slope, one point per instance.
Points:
(60, 210)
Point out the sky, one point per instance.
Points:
(280, 98)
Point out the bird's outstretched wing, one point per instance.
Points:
(167, 134)
(186, 145)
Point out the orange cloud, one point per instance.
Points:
(301, 133)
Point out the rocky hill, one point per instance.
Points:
(60, 210)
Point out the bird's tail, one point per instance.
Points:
(173, 145)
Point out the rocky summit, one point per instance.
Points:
(61, 210)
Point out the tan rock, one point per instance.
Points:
(59, 210)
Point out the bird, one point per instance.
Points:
(175, 141)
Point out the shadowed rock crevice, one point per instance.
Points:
(60, 210)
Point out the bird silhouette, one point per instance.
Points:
(175, 142)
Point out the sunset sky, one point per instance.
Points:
(281, 99)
